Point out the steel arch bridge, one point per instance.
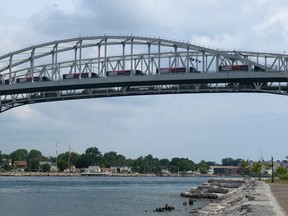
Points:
(118, 65)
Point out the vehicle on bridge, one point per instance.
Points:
(77, 75)
(239, 68)
(233, 68)
(29, 79)
(175, 70)
(123, 73)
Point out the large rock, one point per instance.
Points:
(214, 189)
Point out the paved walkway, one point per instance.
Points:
(280, 192)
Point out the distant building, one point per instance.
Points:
(284, 163)
(105, 170)
(93, 169)
(165, 172)
(224, 170)
(20, 165)
(120, 169)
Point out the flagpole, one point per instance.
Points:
(69, 167)
(56, 156)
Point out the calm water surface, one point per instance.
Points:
(135, 196)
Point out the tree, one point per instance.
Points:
(230, 162)
(245, 165)
(256, 168)
(165, 162)
(67, 159)
(19, 155)
(174, 165)
(45, 167)
(91, 157)
(33, 158)
(203, 167)
(121, 159)
(109, 158)
(184, 165)
(281, 171)
(62, 164)
(147, 164)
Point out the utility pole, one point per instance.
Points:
(69, 157)
(56, 156)
(272, 169)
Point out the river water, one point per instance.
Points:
(67, 196)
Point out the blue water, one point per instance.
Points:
(135, 196)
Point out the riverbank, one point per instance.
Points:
(247, 197)
(74, 174)
(98, 174)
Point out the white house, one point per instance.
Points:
(93, 169)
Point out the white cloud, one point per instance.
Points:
(165, 126)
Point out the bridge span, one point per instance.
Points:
(118, 65)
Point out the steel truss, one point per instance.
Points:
(22, 72)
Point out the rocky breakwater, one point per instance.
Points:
(214, 189)
(235, 197)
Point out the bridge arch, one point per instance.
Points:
(123, 65)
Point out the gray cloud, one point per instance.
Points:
(208, 127)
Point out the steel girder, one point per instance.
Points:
(22, 71)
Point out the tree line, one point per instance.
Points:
(93, 157)
(143, 164)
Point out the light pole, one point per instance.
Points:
(272, 169)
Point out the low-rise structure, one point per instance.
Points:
(20, 165)
(224, 170)
(93, 169)
(120, 169)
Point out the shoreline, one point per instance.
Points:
(96, 174)
(250, 198)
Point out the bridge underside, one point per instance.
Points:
(110, 66)
(148, 85)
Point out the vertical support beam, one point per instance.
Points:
(217, 62)
(206, 63)
(105, 56)
(75, 58)
(187, 60)
(132, 70)
(10, 69)
(149, 58)
(159, 50)
(175, 53)
(197, 61)
(80, 58)
(123, 55)
(152, 64)
(54, 60)
(203, 61)
(141, 62)
(99, 50)
(32, 64)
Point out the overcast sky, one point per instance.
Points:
(195, 126)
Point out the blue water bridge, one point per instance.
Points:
(126, 65)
